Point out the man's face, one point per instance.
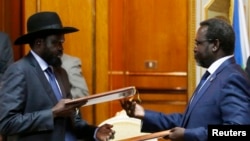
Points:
(203, 48)
(53, 49)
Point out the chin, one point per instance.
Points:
(199, 64)
(56, 62)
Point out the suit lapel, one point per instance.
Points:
(40, 74)
(192, 104)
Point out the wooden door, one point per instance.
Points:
(11, 22)
(148, 49)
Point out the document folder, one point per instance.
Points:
(155, 135)
(117, 94)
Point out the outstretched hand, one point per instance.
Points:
(132, 108)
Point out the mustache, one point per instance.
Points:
(60, 53)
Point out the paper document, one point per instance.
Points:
(122, 93)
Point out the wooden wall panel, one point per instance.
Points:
(158, 82)
(116, 68)
(11, 22)
(29, 7)
(102, 53)
(156, 30)
(116, 39)
(146, 38)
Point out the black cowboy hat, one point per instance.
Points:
(45, 23)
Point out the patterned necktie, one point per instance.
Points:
(52, 81)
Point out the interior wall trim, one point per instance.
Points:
(191, 35)
(38, 5)
(156, 73)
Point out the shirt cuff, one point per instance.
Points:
(95, 134)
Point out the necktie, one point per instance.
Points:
(52, 81)
(203, 79)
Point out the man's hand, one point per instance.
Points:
(176, 134)
(105, 133)
(61, 109)
(132, 109)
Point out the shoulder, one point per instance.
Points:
(69, 61)
(2, 34)
(24, 64)
(4, 37)
(233, 76)
(66, 57)
(5, 42)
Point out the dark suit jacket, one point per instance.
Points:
(225, 100)
(248, 66)
(6, 53)
(26, 99)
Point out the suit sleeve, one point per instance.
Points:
(83, 129)
(13, 99)
(156, 121)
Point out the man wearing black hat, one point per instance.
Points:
(36, 88)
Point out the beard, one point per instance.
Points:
(52, 59)
(55, 62)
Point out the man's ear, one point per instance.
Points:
(38, 41)
(216, 45)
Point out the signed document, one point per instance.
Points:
(121, 93)
(155, 135)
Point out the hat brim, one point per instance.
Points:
(30, 36)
